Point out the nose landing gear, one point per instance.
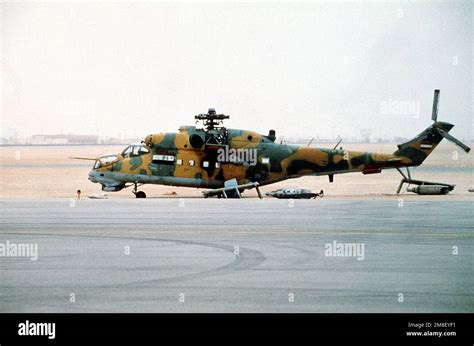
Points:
(138, 194)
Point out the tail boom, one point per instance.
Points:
(419, 148)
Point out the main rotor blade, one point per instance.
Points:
(454, 140)
(434, 112)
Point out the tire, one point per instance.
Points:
(140, 194)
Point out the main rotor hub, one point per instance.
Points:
(211, 120)
(216, 134)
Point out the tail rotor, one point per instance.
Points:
(453, 140)
(439, 130)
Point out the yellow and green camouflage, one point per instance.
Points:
(185, 159)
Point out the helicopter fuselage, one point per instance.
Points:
(188, 158)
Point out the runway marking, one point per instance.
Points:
(266, 232)
(247, 259)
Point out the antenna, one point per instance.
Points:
(434, 113)
(337, 144)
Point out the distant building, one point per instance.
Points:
(365, 133)
(118, 141)
(61, 139)
(83, 139)
(46, 139)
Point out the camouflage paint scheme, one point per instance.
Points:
(285, 161)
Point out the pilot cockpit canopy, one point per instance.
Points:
(135, 150)
(105, 160)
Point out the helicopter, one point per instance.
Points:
(228, 161)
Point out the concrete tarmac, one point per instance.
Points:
(249, 255)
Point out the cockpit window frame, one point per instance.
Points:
(134, 150)
(126, 152)
(105, 161)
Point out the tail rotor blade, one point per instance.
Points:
(434, 113)
(454, 140)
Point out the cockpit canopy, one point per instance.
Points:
(105, 160)
(135, 150)
(131, 151)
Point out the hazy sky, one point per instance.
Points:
(307, 69)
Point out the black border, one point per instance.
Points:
(218, 329)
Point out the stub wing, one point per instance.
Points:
(231, 190)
